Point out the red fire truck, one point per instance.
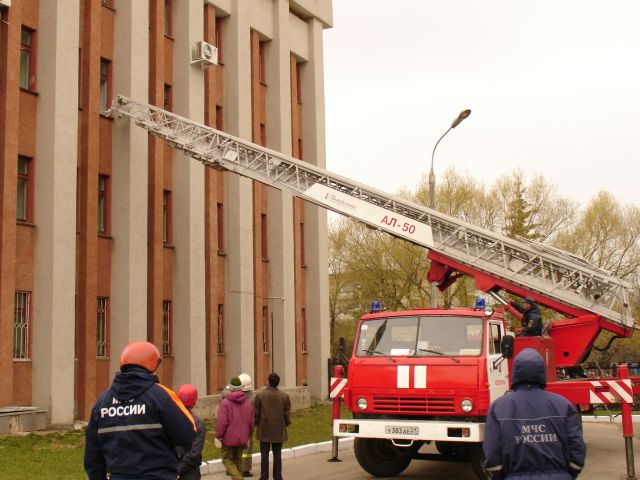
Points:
(428, 376)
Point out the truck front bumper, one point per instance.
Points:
(409, 430)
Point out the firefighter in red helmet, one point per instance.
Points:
(136, 425)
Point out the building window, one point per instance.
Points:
(168, 98)
(102, 327)
(103, 204)
(263, 135)
(303, 321)
(24, 192)
(300, 156)
(219, 38)
(167, 226)
(27, 59)
(220, 223)
(262, 63)
(220, 328)
(22, 326)
(299, 82)
(265, 329)
(302, 259)
(219, 121)
(80, 78)
(167, 328)
(168, 18)
(105, 84)
(264, 236)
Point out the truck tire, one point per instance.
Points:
(381, 458)
(476, 457)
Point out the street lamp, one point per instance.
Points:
(432, 187)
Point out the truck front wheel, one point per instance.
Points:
(381, 458)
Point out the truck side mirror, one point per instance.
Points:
(506, 345)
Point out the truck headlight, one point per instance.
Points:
(362, 403)
(466, 405)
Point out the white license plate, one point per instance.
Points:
(394, 430)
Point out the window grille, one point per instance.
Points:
(21, 325)
(101, 327)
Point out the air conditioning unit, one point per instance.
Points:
(5, 3)
(205, 54)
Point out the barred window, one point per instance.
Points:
(102, 325)
(166, 327)
(220, 328)
(22, 326)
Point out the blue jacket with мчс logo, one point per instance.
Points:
(134, 429)
(532, 434)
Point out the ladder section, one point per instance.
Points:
(551, 272)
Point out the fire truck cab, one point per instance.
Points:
(422, 376)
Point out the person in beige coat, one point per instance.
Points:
(272, 409)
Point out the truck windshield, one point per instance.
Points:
(420, 336)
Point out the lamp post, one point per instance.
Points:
(432, 187)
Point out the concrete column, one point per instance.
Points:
(129, 182)
(282, 286)
(188, 205)
(239, 297)
(316, 217)
(55, 203)
(281, 244)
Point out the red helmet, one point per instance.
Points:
(144, 354)
(188, 394)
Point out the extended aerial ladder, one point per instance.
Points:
(556, 279)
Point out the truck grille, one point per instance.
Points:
(430, 405)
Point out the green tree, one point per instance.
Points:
(607, 234)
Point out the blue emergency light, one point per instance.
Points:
(375, 306)
(480, 304)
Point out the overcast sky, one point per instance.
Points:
(553, 85)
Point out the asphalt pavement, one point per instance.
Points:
(605, 461)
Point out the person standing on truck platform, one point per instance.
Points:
(532, 434)
(136, 425)
(531, 317)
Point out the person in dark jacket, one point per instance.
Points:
(136, 425)
(532, 434)
(191, 458)
(234, 425)
(273, 416)
(531, 317)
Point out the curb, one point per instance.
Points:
(216, 466)
(608, 418)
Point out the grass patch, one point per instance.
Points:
(59, 455)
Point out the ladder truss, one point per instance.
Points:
(559, 275)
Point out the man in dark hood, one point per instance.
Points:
(532, 434)
(531, 317)
(136, 425)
